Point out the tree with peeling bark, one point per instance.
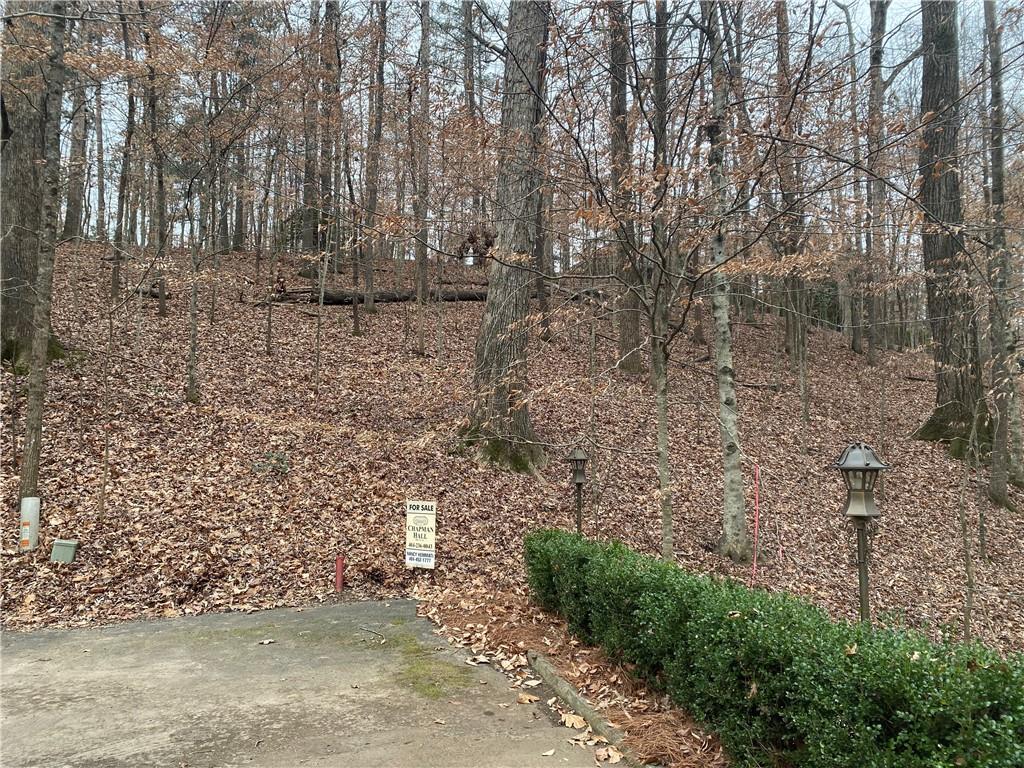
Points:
(500, 417)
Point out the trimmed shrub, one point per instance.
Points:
(779, 681)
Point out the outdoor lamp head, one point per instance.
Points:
(578, 462)
(860, 465)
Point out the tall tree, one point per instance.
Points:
(101, 154)
(857, 294)
(735, 542)
(500, 416)
(76, 161)
(101, 169)
(630, 357)
(422, 175)
(468, 57)
(160, 192)
(541, 198)
(469, 90)
(21, 99)
(373, 151)
(49, 181)
(1005, 462)
(874, 246)
(328, 62)
(310, 202)
(124, 177)
(661, 282)
(950, 306)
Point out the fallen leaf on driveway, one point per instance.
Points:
(527, 698)
(549, 753)
(268, 641)
(608, 754)
(572, 720)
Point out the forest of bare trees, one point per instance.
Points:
(853, 167)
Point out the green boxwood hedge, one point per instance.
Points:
(780, 682)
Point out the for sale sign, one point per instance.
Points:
(420, 529)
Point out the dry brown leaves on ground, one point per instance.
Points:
(243, 500)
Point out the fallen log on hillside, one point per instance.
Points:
(152, 292)
(341, 298)
(334, 297)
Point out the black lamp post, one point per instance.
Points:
(860, 466)
(578, 461)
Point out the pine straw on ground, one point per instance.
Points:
(243, 500)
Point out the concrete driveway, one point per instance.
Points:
(203, 691)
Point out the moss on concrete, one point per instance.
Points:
(424, 673)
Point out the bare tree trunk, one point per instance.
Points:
(541, 246)
(1016, 440)
(192, 369)
(101, 169)
(662, 282)
(240, 172)
(21, 213)
(470, 81)
(950, 304)
(373, 152)
(873, 244)
(158, 161)
(322, 278)
(791, 237)
(630, 354)
(540, 197)
(659, 379)
(998, 269)
(328, 62)
(856, 296)
(468, 57)
(735, 542)
(500, 417)
(310, 206)
(965, 536)
(421, 200)
(48, 196)
(124, 180)
(137, 206)
(76, 161)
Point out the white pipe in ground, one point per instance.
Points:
(28, 535)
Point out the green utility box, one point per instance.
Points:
(63, 551)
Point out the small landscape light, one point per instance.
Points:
(578, 463)
(860, 465)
